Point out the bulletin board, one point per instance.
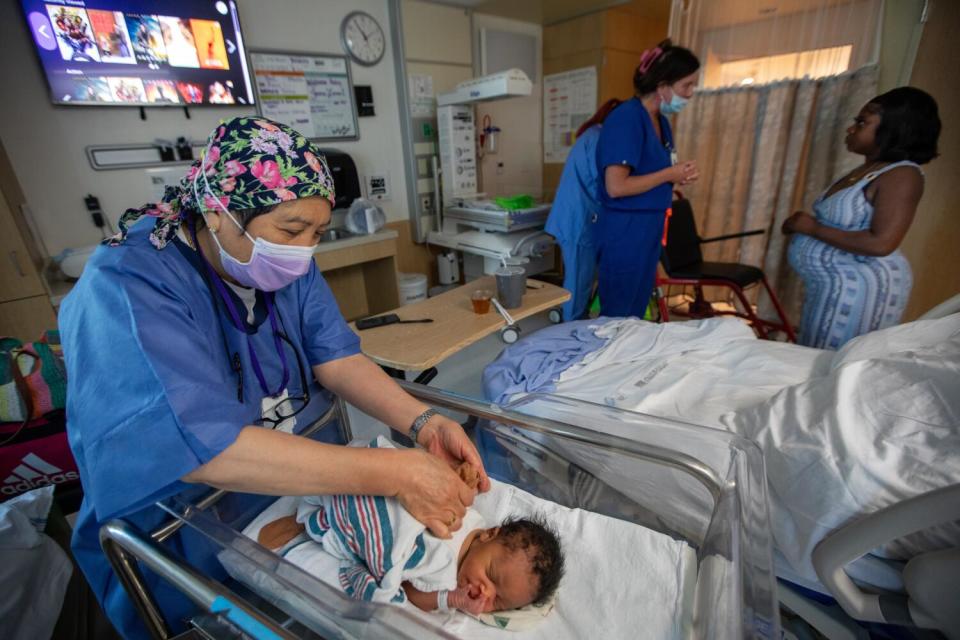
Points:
(313, 93)
(569, 99)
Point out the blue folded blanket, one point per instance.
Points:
(536, 362)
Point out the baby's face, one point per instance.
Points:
(501, 576)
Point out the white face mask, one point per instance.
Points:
(271, 266)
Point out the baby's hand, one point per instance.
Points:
(469, 474)
(460, 599)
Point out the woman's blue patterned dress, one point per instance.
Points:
(846, 294)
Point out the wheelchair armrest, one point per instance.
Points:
(847, 544)
(730, 236)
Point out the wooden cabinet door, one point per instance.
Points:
(27, 319)
(18, 277)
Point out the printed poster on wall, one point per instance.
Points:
(311, 93)
(569, 99)
(423, 104)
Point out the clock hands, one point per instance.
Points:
(370, 49)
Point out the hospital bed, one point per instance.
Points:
(862, 446)
(704, 490)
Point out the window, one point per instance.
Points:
(814, 64)
(742, 42)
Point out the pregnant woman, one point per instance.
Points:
(855, 278)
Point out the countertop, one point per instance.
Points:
(58, 286)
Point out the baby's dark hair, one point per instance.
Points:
(541, 544)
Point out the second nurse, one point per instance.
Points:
(638, 163)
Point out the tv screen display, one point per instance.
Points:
(141, 52)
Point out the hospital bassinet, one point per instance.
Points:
(698, 485)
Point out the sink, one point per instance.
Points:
(332, 235)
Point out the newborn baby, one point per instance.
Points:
(388, 556)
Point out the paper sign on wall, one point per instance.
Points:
(422, 102)
(569, 99)
(377, 186)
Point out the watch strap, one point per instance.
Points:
(418, 423)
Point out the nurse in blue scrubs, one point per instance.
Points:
(574, 214)
(637, 159)
(201, 341)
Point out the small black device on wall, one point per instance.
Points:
(364, 96)
(96, 214)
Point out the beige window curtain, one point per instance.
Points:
(764, 153)
(767, 149)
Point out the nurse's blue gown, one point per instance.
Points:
(630, 229)
(572, 218)
(152, 393)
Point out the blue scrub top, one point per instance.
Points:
(572, 218)
(628, 138)
(153, 394)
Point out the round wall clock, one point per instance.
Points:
(363, 38)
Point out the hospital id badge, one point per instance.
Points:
(674, 158)
(272, 407)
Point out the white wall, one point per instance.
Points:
(518, 166)
(437, 43)
(46, 143)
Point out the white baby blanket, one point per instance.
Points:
(623, 579)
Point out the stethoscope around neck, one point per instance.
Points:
(278, 335)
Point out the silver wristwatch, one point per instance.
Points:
(418, 423)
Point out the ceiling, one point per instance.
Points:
(543, 12)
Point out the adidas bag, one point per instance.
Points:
(35, 454)
(33, 379)
(34, 451)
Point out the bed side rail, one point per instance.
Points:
(336, 411)
(857, 539)
(696, 468)
(124, 545)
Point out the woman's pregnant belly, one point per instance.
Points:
(809, 257)
(805, 254)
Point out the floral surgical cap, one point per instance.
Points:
(249, 162)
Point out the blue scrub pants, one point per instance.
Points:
(629, 246)
(579, 271)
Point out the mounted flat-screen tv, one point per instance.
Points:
(146, 53)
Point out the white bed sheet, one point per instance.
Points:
(629, 580)
(843, 433)
(881, 427)
(695, 371)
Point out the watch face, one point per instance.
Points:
(363, 38)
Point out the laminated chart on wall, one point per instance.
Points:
(311, 93)
(423, 104)
(569, 99)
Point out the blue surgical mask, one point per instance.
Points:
(676, 105)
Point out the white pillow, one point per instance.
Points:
(869, 434)
(910, 336)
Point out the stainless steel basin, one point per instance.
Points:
(332, 235)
